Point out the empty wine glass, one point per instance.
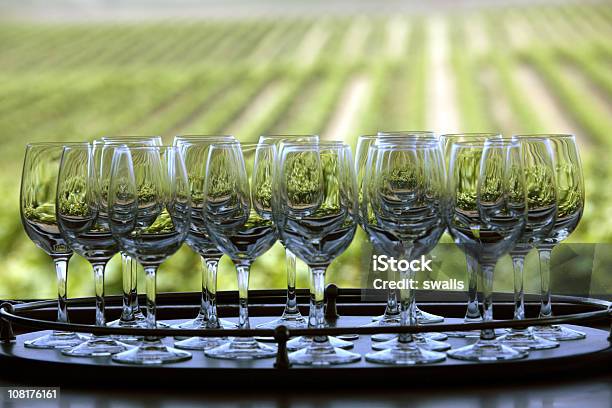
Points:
(431, 149)
(103, 150)
(486, 216)
(85, 229)
(402, 212)
(315, 207)
(391, 317)
(570, 206)
(131, 315)
(291, 316)
(472, 313)
(541, 213)
(195, 153)
(149, 211)
(37, 205)
(197, 160)
(237, 211)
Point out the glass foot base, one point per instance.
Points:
(151, 353)
(96, 346)
(56, 340)
(487, 350)
(242, 349)
(472, 333)
(390, 336)
(558, 333)
(296, 321)
(302, 342)
(139, 316)
(200, 343)
(322, 353)
(421, 341)
(405, 354)
(200, 322)
(348, 337)
(427, 318)
(525, 339)
(388, 316)
(384, 321)
(126, 338)
(463, 334)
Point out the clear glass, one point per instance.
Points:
(402, 213)
(569, 182)
(180, 140)
(194, 150)
(131, 315)
(391, 314)
(238, 212)
(536, 155)
(149, 205)
(291, 316)
(37, 206)
(486, 216)
(472, 313)
(315, 208)
(84, 227)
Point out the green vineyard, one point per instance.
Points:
(529, 69)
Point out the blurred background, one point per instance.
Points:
(82, 69)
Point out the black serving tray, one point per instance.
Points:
(583, 357)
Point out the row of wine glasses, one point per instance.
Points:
(501, 195)
(134, 196)
(554, 189)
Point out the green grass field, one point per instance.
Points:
(530, 69)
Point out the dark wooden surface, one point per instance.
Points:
(541, 380)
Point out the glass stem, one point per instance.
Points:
(312, 312)
(407, 307)
(473, 311)
(243, 270)
(151, 289)
(487, 271)
(392, 308)
(212, 265)
(133, 267)
(61, 270)
(128, 278)
(98, 270)
(318, 281)
(518, 264)
(204, 293)
(544, 253)
(291, 307)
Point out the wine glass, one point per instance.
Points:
(486, 215)
(195, 153)
(179, 140)
(149, 211)
(237, 211)
(37, 206)
(315, 208)
(391, 316)
(429, 144)
(103, 150)
(85, 229)
(472, 313)
(570, 206)
(291, 316)
(541, 213)
(402, 211)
